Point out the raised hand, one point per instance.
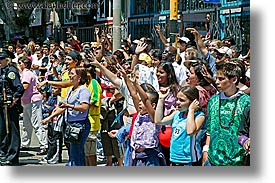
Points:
(194, 105)
(193, 31)
(121, 70)
(140, 48)
(157, 27)
(206, 74)
(96, 30)
(93, 59)
(133, 78)
(163, 92)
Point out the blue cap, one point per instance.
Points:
(4, 53)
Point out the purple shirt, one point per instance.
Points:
(81, 95)
(145, 133)
(31, 94)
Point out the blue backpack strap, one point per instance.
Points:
(119, 117)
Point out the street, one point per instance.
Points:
(29, 158)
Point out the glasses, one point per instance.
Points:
(165, 52)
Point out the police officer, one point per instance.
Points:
(11, 90)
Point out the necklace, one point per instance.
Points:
(232, 114)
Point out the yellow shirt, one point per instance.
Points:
(64, 91)
(95, 104)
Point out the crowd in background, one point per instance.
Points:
(185, 105)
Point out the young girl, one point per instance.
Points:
(186, 120)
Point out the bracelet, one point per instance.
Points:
(73, 107)
(47, 83)
(205, 148)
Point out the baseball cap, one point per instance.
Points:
(224, 50)
(184, 39)
(187, 63)
(145, 57)
(4, 53)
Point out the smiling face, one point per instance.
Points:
(162, 76)
(75, 79)
(70, 63)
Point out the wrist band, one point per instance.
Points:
(205, 148)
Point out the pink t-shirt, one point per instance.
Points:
(31, 94)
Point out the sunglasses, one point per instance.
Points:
(165, 52)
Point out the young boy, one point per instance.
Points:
(225, 111)
(144, 131)
(54, 154)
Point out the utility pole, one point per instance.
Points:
(116, 24)
(174, 6)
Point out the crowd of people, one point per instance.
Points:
(185, 105)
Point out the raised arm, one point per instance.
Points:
(161, 36)
(111, 76)
(199, 41)
(139, 49)
(145, 100)
(159, 119)
(130, 86)
(58, 84)
(193, 125)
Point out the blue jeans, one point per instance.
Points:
(77, 154)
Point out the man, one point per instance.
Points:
(11, 90)
(225, 111)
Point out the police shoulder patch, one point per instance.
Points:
(11, 75)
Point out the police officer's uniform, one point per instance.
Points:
(10, 139)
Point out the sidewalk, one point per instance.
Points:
(29, 158)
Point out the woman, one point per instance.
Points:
(167, 80)
(195, 77)
(76, 108)
(32, 108)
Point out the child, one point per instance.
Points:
(54, 154)
(225, 111)
(186, 120)
(144, 135)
